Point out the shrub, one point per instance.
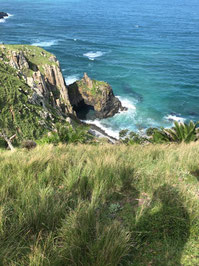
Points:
(67, 134)
(131, 137)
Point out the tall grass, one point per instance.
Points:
(100, 205)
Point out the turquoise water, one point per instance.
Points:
(147, 50)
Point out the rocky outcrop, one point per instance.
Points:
(41, 71)
(3, 15)
(97, 94)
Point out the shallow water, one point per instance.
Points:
(147, 50)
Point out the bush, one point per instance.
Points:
(67, 134)
(131, 137)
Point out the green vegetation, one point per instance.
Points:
(100, 205)
(17, 114)
(96, 88)
(36, 56)
(130, 137)
(181, 132)
(65, 133)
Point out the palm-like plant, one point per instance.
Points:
(181, 132)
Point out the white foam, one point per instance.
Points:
(71, 79)
(122, 116)
(45, 43)
(3, 20)
(93, 55)
(127, 103)
(74, 40)
(175, 118)
(108, 130)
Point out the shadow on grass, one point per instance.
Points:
(163, 230)
(196, 174)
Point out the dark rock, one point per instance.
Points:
(3, 15)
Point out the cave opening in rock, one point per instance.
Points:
(85, 111)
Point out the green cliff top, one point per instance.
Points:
(35, 56)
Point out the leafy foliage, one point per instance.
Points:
(131, 137)
(181, 132)
(65, 133)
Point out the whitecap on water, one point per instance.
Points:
(93, 55)
(71, 79)
(45, 43)
(175, 118)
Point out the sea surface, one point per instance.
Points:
(148, 50)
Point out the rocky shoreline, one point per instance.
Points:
(3, 15)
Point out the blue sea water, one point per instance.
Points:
(147, 50)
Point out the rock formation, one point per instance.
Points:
(3, 15)
(97, 94)
(41, 71)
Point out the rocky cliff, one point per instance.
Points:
(41, 72)
(97, 94)
(33, 92)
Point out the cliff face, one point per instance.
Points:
(33, 94)
(97, 94)
(41, 71)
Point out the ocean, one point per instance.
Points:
(147, 50)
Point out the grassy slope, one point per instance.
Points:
(100, 205)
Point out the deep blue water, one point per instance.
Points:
(147, 50)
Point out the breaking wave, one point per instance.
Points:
(71, 79)
(93, 55)
(175, 118)
(45, 43)
(3, 20)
